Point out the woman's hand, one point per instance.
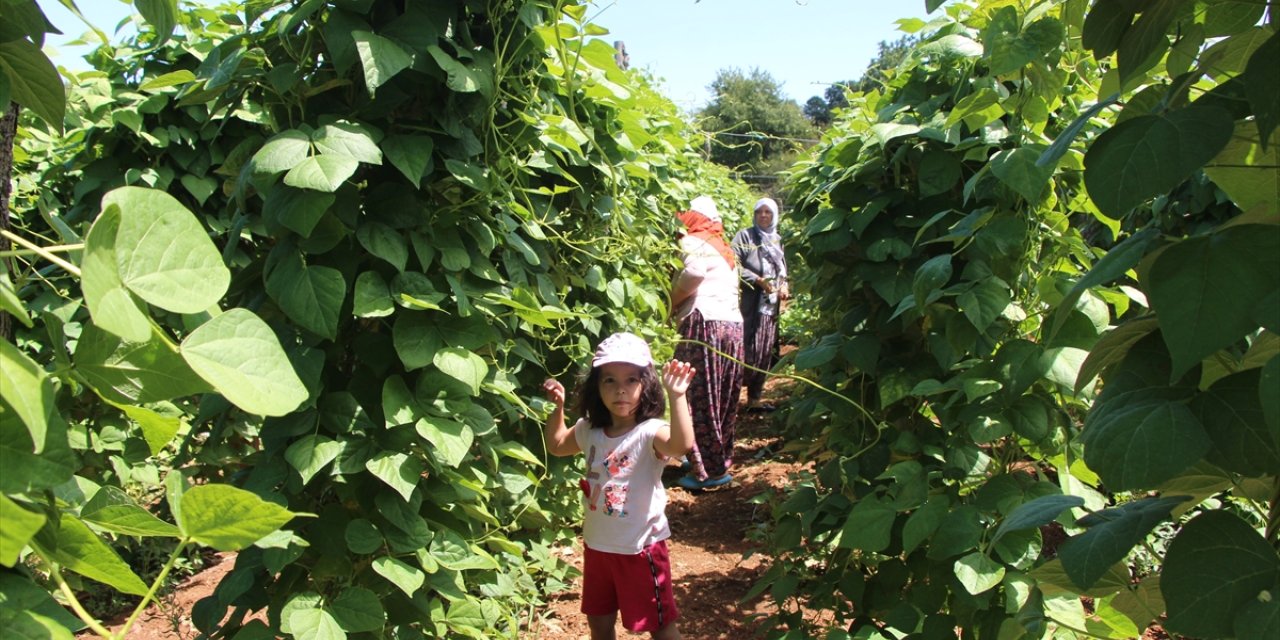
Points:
(555, 392)
(676, 376)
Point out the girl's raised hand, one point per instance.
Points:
(676, 376)
(555, 392)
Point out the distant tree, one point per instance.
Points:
(817, 111)
(889, 56)
(754, 128)
(820, 109)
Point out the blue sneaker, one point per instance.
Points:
(693, 484)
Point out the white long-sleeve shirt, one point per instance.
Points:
(717, 295)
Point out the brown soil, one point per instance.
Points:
(709, 545)
(169, 617)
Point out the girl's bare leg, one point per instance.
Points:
(602, 627)
(669, 632)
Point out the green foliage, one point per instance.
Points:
(319, 257)
(1049, 296)
(753, 127)
(820, 110)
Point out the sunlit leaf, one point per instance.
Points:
(321, 173)
(113, 510)
(381, 58)
(20, 525)
(26, 389)
(315, 624)
(398, 470)
(171, 79)
(110, 304)
(164, 254)
(71, 544)
(282, 152)
(241, 357)
(462, 365)
(404, 576)
(348, 139)
(227, 518)
(450, 440)
(978, 573)
(310, 454)
(1248, 173)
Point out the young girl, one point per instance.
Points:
(626, 442)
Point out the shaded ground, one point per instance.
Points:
(710, 539)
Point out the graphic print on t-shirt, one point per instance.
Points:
(616, 465)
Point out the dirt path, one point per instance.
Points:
(711, 535)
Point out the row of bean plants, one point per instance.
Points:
(288, 276)
(1045, 268)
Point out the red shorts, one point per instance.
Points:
(637, 585)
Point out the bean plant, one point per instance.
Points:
(299, 269)
(1045, 264)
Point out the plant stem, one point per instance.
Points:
(1273, 518)
(54, 249)
(75, 603)
(42, 252)
(155, 586)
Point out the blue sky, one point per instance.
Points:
(803, 44)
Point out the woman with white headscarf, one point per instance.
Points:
(762, 267)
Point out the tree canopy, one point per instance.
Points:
(820, 109)
(751, 125)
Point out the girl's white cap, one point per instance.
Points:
(623, 347)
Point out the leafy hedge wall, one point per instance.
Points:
(1044, 264)
(319, 255)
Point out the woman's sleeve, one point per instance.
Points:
(742, 249)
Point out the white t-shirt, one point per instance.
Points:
(717, 296)
(626, 505)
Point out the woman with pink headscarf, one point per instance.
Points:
(704, 303)
(763, 269)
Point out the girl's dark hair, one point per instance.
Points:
(591, 406)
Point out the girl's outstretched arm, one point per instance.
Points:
(677, 440)
(559, 440)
